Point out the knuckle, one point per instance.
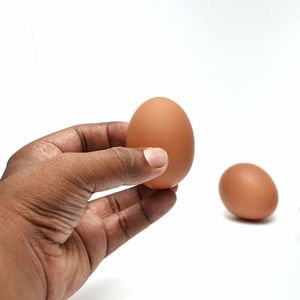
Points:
(15, 157)
(12, 158)
(126, 163)
(113, 204)
(123, 223)
(123, 160)
(81, 137)
(122, 155)
(146, 217)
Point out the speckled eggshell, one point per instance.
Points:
(161, 122)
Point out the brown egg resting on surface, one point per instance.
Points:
(248, 192)
(160, 122)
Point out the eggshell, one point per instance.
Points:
(248, 192)
(160, 122)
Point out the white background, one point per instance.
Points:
(234, 66)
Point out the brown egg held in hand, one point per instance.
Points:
(248, 192)
(160, 122)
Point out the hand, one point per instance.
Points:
(52, 237)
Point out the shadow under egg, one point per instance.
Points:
(236, 219)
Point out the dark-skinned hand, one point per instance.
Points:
(52, 237)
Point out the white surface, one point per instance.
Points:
(234, 66)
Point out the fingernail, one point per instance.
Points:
(156, 157)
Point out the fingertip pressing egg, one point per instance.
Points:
(161, 122)
(248, 192)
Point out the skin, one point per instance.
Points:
(52, 237)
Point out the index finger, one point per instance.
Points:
(78, 138)
(88, 137)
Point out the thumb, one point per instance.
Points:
(55, 193)
(106, 169)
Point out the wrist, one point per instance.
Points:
(21, 273)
